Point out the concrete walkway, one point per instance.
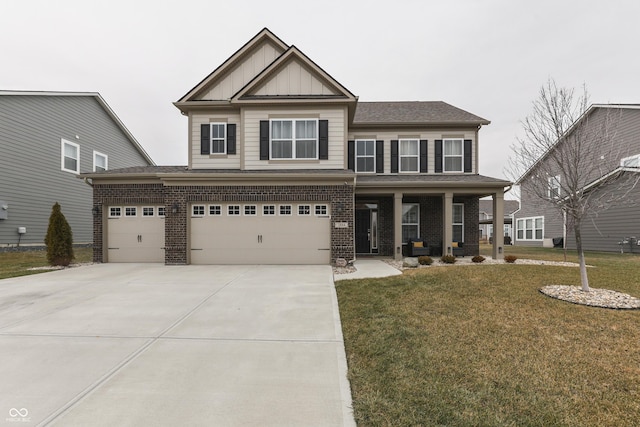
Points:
(369, 269)
(154, 345)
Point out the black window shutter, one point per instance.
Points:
(351, 155)
(231, 139)
(394, 156)
(467, 155)
(323, 140)
(205, 139)
(438, 156)
(379, 156)
(264, 139)
(423, 156)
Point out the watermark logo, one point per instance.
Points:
(18, 415)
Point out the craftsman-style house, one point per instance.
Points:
(286, 166)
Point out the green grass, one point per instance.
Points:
(14, 264)
(480, 346)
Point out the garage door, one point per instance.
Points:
(135, 234)
(264, 233)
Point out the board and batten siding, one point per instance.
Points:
(295, 79)
(31, 179)
(337, 118)
(242, 73)
(200, 161)
(421, 134)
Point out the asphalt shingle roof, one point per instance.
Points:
(413, 112)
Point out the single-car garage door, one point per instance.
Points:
(261, 233)
(135, 234)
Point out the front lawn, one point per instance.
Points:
(479, 345)
(14, 264)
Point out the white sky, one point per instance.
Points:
(489, 57)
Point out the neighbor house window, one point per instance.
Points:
(365, 155)
(115, 212)
(530, 228)
(410, 221)
(233, 210)
(70, 156)
(409, 155)
(452, 155)
(198, 210)
(554, 187)
(148, 211)
(631, 162)
(458, 222)
(218, 138)
(294, 139)
(215, 210)
(268, 210)
(100, 162)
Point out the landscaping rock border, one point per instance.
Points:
(603, 298)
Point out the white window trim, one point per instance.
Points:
(214, 214)
(417, 155)
(630, 162)
(153, 211)
(365, 156)
(106, 160)
(115, 216)
(255, 210)
(239, 210)
(198, 215)
(135, 209)
(285, 214)
(459, 223)
(64, 142)
(294, 139)
(211, 138)
(264, 213)
(533, 230)
(445, 156)
(411, 223)
(553, 182)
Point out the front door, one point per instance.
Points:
(366, 231)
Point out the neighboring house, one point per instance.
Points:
(47, 139)
(286, 166)
(537, 223)
(486, 218)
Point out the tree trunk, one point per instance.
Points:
(583, 265)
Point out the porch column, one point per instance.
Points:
(397, 226)
(497, 252)
(447, 233)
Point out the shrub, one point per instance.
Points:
(448, 259)
(478, 259)
(425, 260)
(510, 258)
(59, 238)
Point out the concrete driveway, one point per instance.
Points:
(148, 344)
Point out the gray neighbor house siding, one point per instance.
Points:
(602, 230)
(32, 127)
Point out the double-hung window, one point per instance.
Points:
(554, 187)
(70, 159)
(410, 221)
(100, 162)
(458, 222)
(218, 138)
(365, 155)
(530, 228)
(294, 139)
(452, 155)
(409, 155)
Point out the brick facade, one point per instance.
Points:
(339, 197)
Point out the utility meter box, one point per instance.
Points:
(22, 230)
(4, 210)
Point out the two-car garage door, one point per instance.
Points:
(260, 233)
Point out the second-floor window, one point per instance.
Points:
(452, 155)
(409, 155)
(554, 187)
(294, 139)
(70, 157)
(365, 155)
(218, 138)
(100, 162)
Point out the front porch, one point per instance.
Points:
(386, 218)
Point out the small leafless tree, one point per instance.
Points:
(568, 156)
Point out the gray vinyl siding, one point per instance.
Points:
(603, 231)
(531, 206)
(31, 179)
